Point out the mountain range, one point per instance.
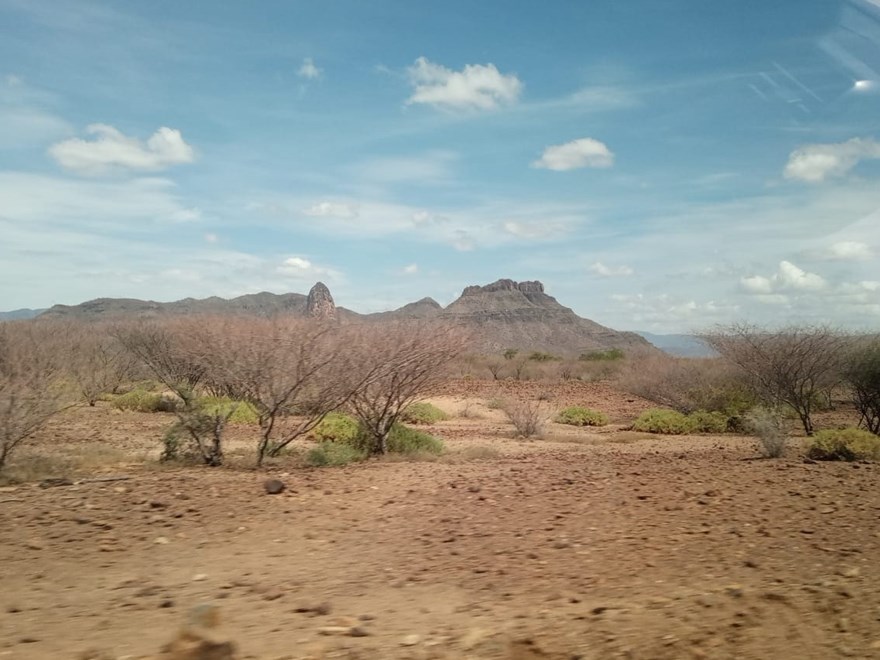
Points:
(503, 314)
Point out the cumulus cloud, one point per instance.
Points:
(301, 267)
(576, 154)
(814, 163)
(308, 70)
(602, 270)
(110, 150)
(788, 277)
(332, 210)
(475, 87)
(850, 251)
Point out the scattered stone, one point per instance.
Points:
(333, 630)
(272, 593)
(200, 577)
(410, 640)
(273, 486)
(357, 631)
(199, 639)
(161, 540)
(34, 545)
(155, 504)
(166, 604)
(53, 482)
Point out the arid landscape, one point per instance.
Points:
(586, 543)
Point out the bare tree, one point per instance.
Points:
(30, 391)
(178, 353)
(862, 374)
(394, 365)
(793, 366)
(97, 361)
(294, 372)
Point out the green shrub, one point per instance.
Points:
(423, 412)
(602, 356)
(580, 416)
(241, 411)
(404, 440)
(330, 453)
(143, 401)
(845, 445)
(540, 356)
(495, 404)
(672, 422)
(658, 420)
(336, 427)
(709, 422)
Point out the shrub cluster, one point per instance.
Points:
(236, 412)
(602, 356)
(343, 440)
(844, 445)
(139, 400)
(423, 412)
(672, 422)
(580, 416)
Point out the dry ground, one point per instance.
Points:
(587, 544)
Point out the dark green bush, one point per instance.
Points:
(580, 416)
(423, 412)
(844, 445)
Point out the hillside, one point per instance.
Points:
(504, 314)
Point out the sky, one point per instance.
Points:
(660, 165)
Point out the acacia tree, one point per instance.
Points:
(178, 352)
(862, 373)
(292, 371)
(393, 365)
(793, 366)
(30, 393)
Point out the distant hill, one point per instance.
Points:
(20, 314)
(679, 345)
(503, 314)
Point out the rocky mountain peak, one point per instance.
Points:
(320, 303)
(505, 285)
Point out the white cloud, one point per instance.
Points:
(300, 267)
(308, 70)
(433, 167)
(576, 154)
(850, 251)
(411, 269)
(110, 150)
(814, 163)
(787, 278)
(602, 270)
(475, 87)
(212, 238)
(332, 210)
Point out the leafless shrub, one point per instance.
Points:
(392, 366)
(862, 374)
(528, 417)
(797, 366)
(30, 391)
(769, 427)
(96, 360)
(179, 353)
(294, 372)
(688, 384)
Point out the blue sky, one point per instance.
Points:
(660, 165)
